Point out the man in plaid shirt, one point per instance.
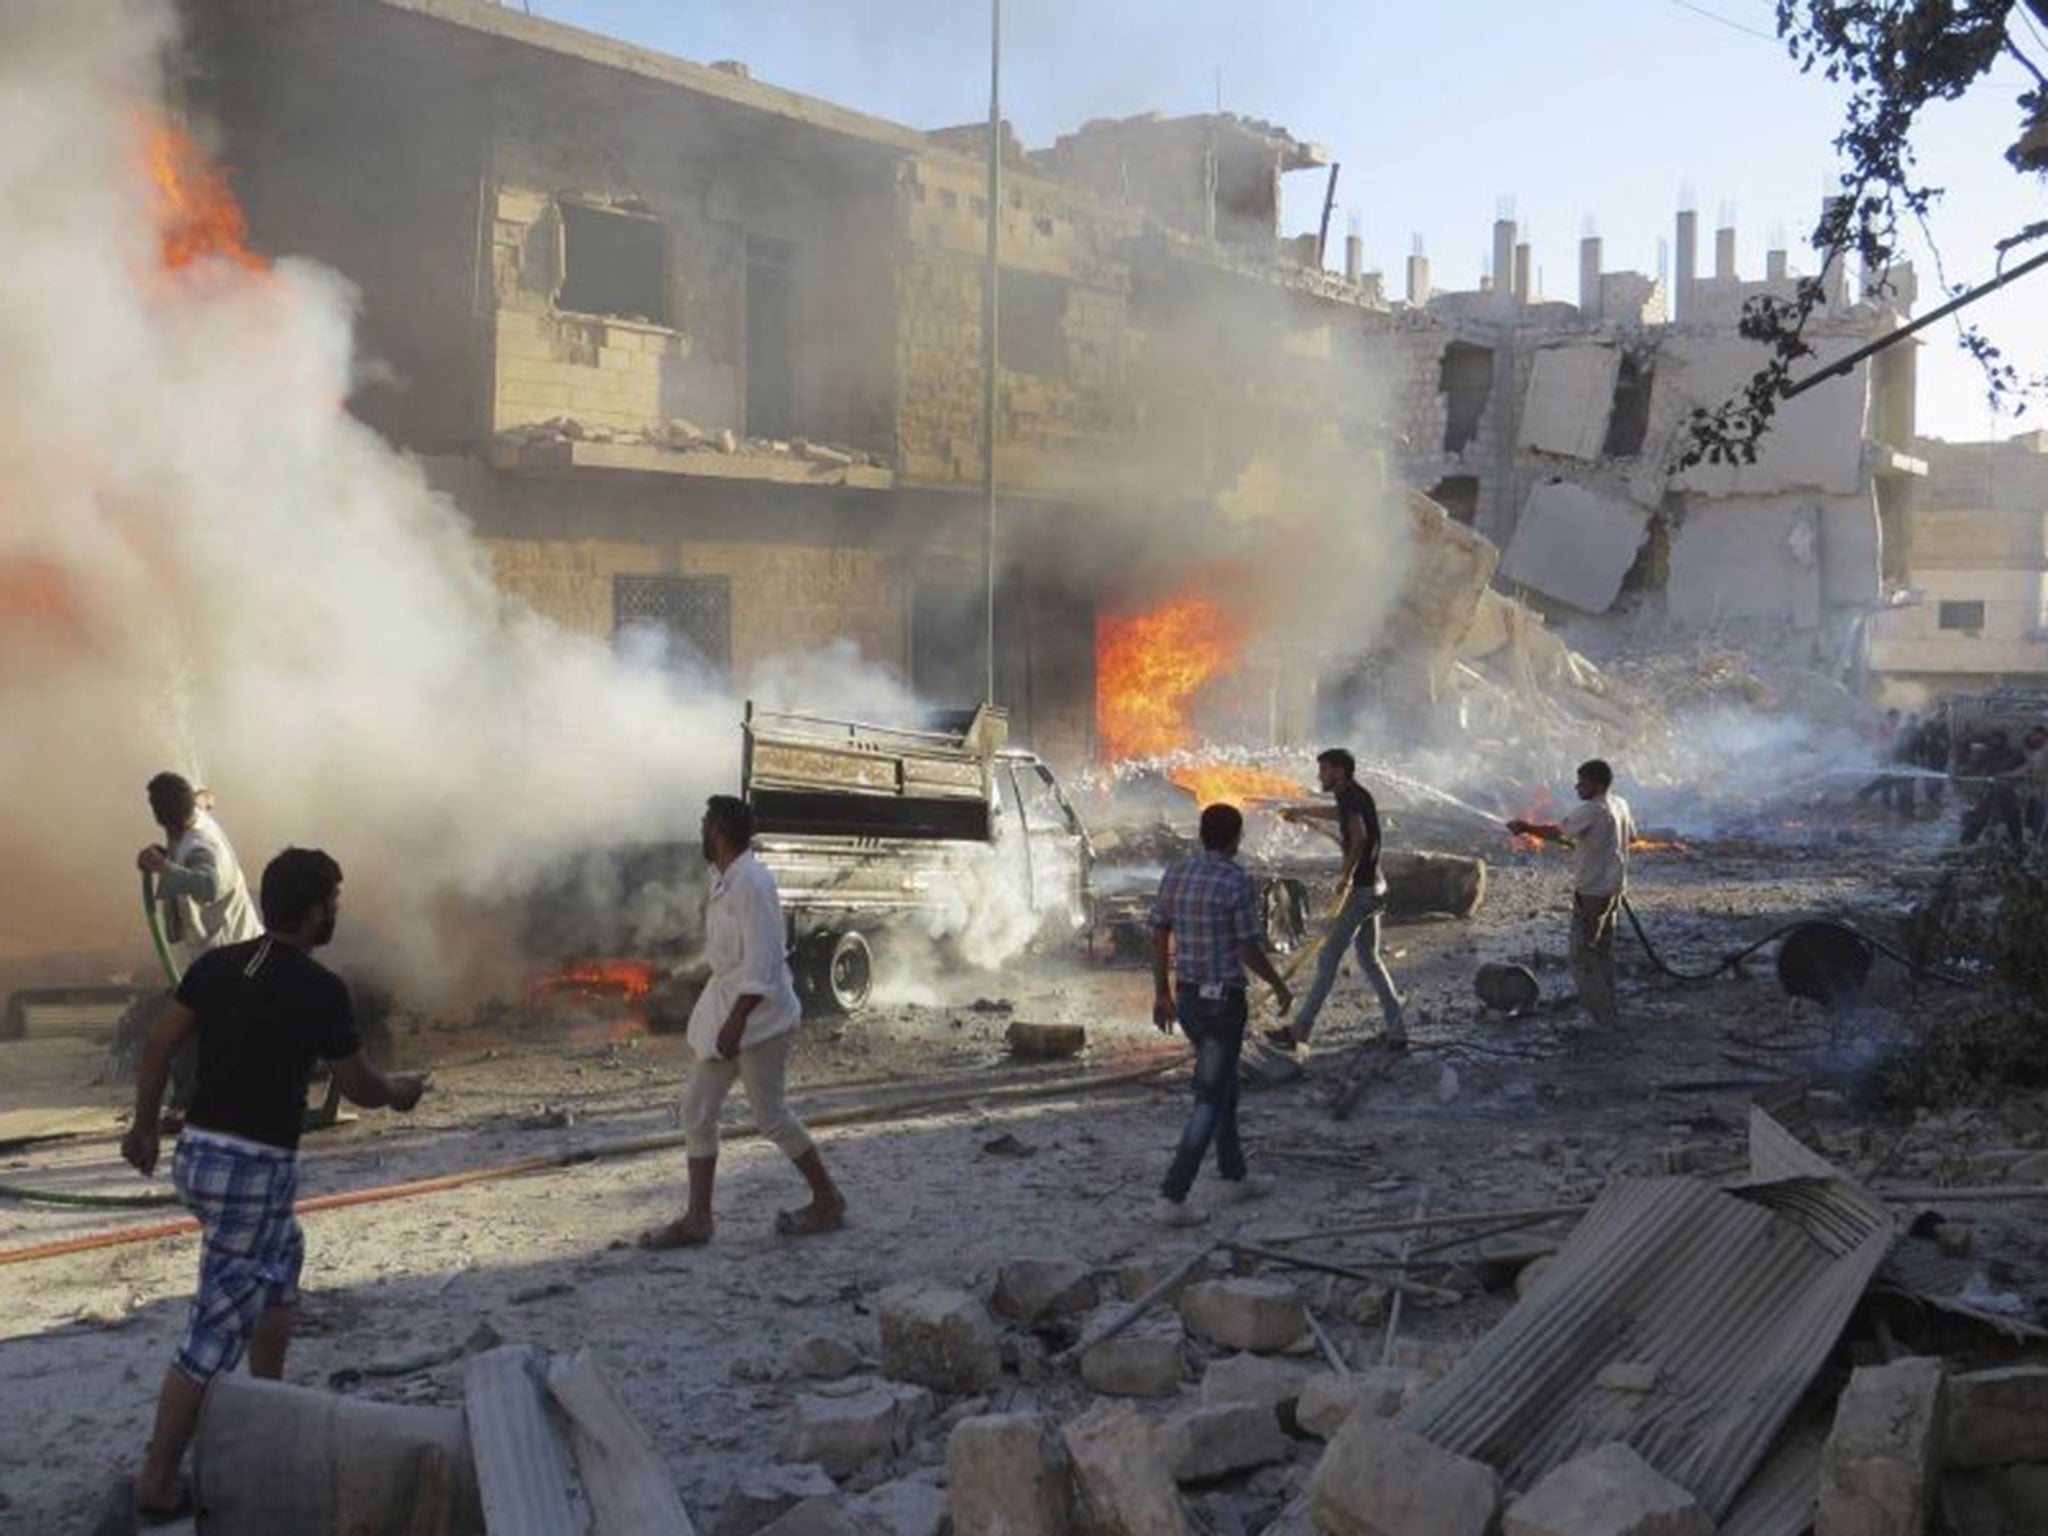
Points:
(1205, 934)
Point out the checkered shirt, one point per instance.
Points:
(253, 1250)
(1209, 905)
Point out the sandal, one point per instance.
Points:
(153, 1515)
(809, 1221)
(674, 1235)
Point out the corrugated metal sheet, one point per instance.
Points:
(1779, 1500)
(1737, 1297)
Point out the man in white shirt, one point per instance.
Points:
(743, 1027)
(1601, 828)
(199, 882)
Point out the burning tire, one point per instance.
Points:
(835, 973)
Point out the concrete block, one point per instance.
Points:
(938, 1337)
(1998, 1416)
(1121, 1484)
(1144, 1361)
(1879, 1464)
(1030, 1289)
(1203, 1444)
(1532, 1276)
(1264, 1316)
(1574, 544)
(764, 1494)
(1610, 1491)
(1570, 397)
(1381, 1393)
(1272, 1384)
(1996, 1501)
(842, 1432)
(822, 1357)
(1376, 1480)
(1006, 1475)
(1136, 1277)
(906, 1507)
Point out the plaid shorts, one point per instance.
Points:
(242, 1194)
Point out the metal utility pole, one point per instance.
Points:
(990, 279)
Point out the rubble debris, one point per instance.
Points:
(1244, 1378)
(1167, 1285)
(823, 1358)
(1141, 1362)
(1996, 1501)
(626, 1486)
(1006, 1475)
(1137, 1278)
(938, 1337)
(813, 1517)
(1610, 1491)
(843, 1432)
(766, 1492)
(1878, 1471)
(1376, 1479)
(1121, 1484)
(1381, 1392)
(1200, 1445)
(1045, 1042)
(1007, 1145)
(909, 1506)
(1030, 1289)
(1263, 1316)
(1998, 1416)
(524, 1472)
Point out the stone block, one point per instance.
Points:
(1532, 1275)
(1878, 1468)
(1272, 1384)
(906, 1507)
(1007, 1476)
(844, 1431)
(1998, 1416)
(1144, 1361)
(1121, 1484)
(813, 1517)
(1136, 1277)
(764, 1494)
(1264, 1316)
(1376, 1480)
(823, 1357)
(938, 1337)
(1327, 1400)
(1996, 1501)
(1030, 1289)
(1610, 1491)
(1203, 1444)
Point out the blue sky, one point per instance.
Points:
(1608, 111)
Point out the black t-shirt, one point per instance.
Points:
(1354, 800)
(266, 1012)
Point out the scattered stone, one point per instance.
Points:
(1611, 1491)
(823, 1357)
(1121, 1484)
(1007, 1476)
(1435, 1360)
(1953, 1240)
(1878, 1467)
(1030, 1289)
(906, 1507)
(1045, 1042)
(757, 1367)
(1629, 1376)
(1272, 1384)
(813, 1517)
(841, 1433)
(1376, 1480)
(1265, 1316)
(1144, 1361)
(1203, 1444)
(1532, 1275)
(1499, 1263)
(1007, 1145)
(1137, 1277)
(938, 1337)
(766, 1493)
(1998, 1416)
(1381, 1393)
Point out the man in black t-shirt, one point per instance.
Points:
(263, 1011)
(1363, 892)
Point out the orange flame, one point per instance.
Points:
(197, 216)
(1235, 784)
(1657, 845)
(1149, 668)
(599, 980)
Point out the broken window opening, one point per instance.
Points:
(1031, 332)
(771, 336)
(1629, 423)
(1961, 615)
(1459, 496)
(679, 623)
(1467, 385)
(613, 263)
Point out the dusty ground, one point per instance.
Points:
(1483, 1113)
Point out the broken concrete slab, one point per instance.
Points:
(823, 1358)
(1569, 399)
(624, 1482)
(938, 1337)
(1574, 544)
(1606, 1492)
(1121, 1483)
(1200, 1445)
(1998, 1416)
(1144, 1361)
(523, 1470)
(1006, 1475)
(1030, 1289)
(765, 1493)
(1263, 1316)
(1878, 1470)
(1272, 1384)
(1375, 1479)
(844, 1431)
(1327, 1400)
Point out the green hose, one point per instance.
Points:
(93, 1202)
(156, 929)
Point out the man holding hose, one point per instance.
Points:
(1600, 829)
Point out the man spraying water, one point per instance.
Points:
(1601, 828)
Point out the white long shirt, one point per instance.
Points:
(744, 941)
(205, 899)
(1601, 828)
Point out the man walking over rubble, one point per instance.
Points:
(743, 1029)
(1205, 934)
(261, 1012)
(1600, 829)
(1362, 895)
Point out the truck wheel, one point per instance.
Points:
(838, 973)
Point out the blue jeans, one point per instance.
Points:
(1357, 922)
(1215, 1027)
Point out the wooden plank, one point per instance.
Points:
(523, 1470)
(629, 1490)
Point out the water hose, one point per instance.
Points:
(156, 929)
(1735, 957)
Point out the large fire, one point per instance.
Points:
(197, 216)
(1235, 784)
